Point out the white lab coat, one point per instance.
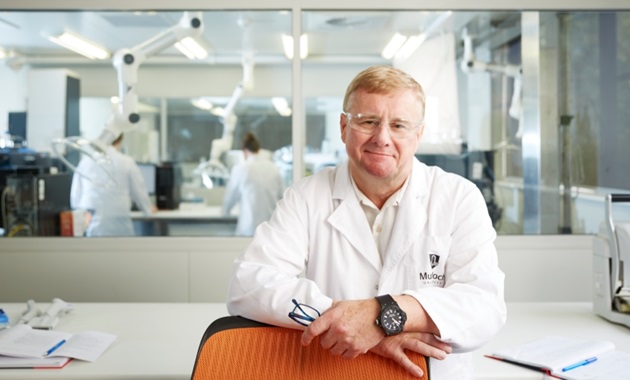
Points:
(110, 204)
(256, 186)
(320, 230)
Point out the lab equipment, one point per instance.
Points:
(127, 62)
(31, 203)
(611, 266)
(31, 312)
(168, 179)
(17, 160)
(47, 320)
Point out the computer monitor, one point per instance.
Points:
(148, 173)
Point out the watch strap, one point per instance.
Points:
(386, 300)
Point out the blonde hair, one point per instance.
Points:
(381, 80)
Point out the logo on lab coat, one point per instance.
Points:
(435, 259)
(430, 278)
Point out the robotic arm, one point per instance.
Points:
(471, 64)
(214, 168)
(127, 62)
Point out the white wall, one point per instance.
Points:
(538, 268)
(12, 94)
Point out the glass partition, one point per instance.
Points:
(530, 106)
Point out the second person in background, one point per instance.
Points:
(255, 184)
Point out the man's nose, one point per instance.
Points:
(383, 132)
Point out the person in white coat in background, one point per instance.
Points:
(109, 197)
(394, 254)
(255, 185)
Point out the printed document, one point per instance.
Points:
(22, 341)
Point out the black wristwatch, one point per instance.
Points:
(391, 318)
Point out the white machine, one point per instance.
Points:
(611, 267)
(213, 169)
(127, 62)
(48, 319)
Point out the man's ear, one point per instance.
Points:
(343, 124)
(421, 131)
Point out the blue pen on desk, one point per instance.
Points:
(585, 362)
(56, 346)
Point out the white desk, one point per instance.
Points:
(529, 321)
(160, 341)
(155, 340)
(166, 222)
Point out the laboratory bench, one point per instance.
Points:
(160, 340)
(190, 219)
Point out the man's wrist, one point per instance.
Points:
(391, 318)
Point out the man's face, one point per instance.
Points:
(379, 155)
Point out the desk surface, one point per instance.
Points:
(155, 340)
(160, 341)
(187, 211)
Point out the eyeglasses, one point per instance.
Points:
(369, 124)
(303, 314)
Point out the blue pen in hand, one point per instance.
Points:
(56, 346)
(585, 362)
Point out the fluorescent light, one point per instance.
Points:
(303, 46)
(414, 42)
(202, 103)
(393, 45)
(282, 106)
(218, 111)
(192, 48)
(287, 44)
(410, 46)
(81, 45)
(3, 54)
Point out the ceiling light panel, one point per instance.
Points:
(81, 45)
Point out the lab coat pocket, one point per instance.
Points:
(428, 261)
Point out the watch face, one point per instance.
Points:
(393, 320)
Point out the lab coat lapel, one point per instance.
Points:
(349, 219)
(410, 219)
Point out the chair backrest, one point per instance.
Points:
(241, 349)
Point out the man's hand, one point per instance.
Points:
(347, 329)
(394, 347)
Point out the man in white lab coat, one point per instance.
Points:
(108, 196)
(382, 238)
(255, 185)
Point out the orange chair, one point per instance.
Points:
(236, 348)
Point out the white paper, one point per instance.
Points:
(88, 345)
(614, 365)
(555, 352)
(24, 341)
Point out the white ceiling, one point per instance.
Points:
(334, 36)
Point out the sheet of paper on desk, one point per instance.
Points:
(613, 365)
(24, 341)
(88, 345)
(569, 358)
